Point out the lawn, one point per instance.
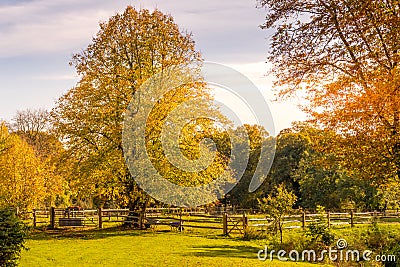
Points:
(117, 247)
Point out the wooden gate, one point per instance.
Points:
(234, 224)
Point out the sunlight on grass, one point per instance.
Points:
(135, 248)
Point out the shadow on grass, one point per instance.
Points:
(225, 251)
(86, 234)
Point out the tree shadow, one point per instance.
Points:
(85, 234)
(226, 251)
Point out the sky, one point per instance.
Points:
(39, 37)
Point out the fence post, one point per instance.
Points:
(52, 217)
(180, 221)
(34, 217)
(351, 218)
(100, 215)
(141, 220)
(329, 219)
(225, 223)
(303, 221)
(245, 221)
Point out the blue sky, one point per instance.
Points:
(38, 38)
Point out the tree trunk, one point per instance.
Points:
(396, 150)
(396, 147)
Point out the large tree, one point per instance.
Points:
(129, 48)
(344, 55)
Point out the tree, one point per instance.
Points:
(324, 181)
(344, 55)
(12, 237)
(256, 138)
(35, 128)
(23, 181)
(171, 153)
(292, 144)
(129, 48)
(31, 122)
(277, 205)
(303, 164)
(3, 137)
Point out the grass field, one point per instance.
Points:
(116, 247)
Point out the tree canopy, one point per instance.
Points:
(129, 49)
(344, 55)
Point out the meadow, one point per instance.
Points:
(118, 247)
(202, 242)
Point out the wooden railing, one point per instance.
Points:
(332, 219)
(194, 218)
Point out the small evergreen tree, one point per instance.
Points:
(12, 237)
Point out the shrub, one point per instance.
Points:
(12, 237)
(320, 234)
(318, 231)
(383, 242)
(251, 233)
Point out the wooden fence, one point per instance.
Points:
(180, 219)
(332, 219)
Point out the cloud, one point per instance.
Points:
(46, 26)
(39, 36)
(56, 77)
(224, 30)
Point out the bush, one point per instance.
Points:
(383, 242)
(12, 237)
(251, 233)
(318, 231)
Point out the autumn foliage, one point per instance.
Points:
(343, 56)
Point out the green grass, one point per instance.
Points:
(123, 247)
(117, 247)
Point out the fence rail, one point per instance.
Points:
(180, 219)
